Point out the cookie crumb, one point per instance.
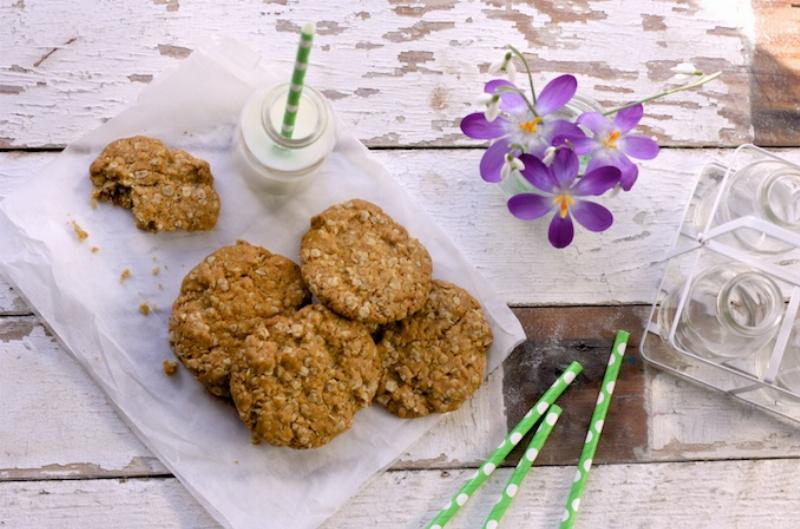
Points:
(160, 286)
(125, 275)
(144, 308)
(95, 249)
(170, 367)
(156, 270)
(80, 233)
(93, 202)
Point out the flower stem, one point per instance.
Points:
(521, 57)
(511, 88)
(703, 80)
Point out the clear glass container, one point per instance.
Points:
(730, 311)
(789, 372)
(727, 312)
(271, 162)
(515, 183)
(768, 189)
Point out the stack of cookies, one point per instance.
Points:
(381, 329)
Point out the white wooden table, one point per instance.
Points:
(402, 73)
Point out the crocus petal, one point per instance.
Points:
(476, 126)
(582, 145)
(537, 173)
(508, 100)
(618, 160)
(597, 182)
(565, 168)
(596, 122)
(492, 161)
(592, 215)
(528, 206)
(561, 231)
(627, 118)
(562, 128)
(556, 94)
(640, 147)
(630, 172)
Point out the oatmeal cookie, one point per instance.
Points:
(222, 300)
(300, 379)
(434, 360)
(363, 265)
(167, 189)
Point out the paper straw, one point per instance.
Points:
(524, 465)
(508, 444)
(595, 428)
(298, 75)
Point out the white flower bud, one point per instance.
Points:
(549, 155)
(685, 70)
(493, 108)
(511, 164)
(484, 99)
(505, 66)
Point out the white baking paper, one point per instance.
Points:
(79, 294)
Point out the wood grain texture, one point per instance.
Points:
(621, 265)
(775, 84)
(555, 338)
(62, 58)
(701, 495)
(76, 433)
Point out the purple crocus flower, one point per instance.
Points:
(612, 143)
(517, 125)
(562, 192)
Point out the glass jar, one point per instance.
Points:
(731, 311)
(769, 189)
(271, 162)
(515, 183)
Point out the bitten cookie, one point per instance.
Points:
(300, 379)
(434, 360)
(167, 189)
(363, 265)
(222, 300)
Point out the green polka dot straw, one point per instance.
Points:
(510, 441)
(524, 465)
(298, 77)
(595, 428)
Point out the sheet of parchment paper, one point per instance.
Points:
(79, 294)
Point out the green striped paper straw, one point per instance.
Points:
(298, 75)
(524, 465)
(508, 444)
(595, 428)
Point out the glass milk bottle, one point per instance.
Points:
(769, 189)
(271, 162)
(731, 311)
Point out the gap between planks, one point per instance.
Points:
(752, 494)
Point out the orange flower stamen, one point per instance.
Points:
(611, 141)
(564, 201)
(530, 127)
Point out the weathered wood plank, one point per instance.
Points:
(775, 85)
(621, 265)
(56, 424)
(585, 334)
(701, 495)
(66, 59)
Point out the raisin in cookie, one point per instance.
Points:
(300, 379)
(434, 360)
(167, 189)
(363, 265)
(222, 300)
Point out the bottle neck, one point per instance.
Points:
(778, 198)
(311, 121)
(750, 304)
